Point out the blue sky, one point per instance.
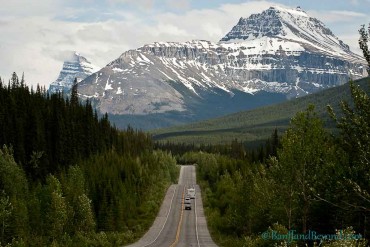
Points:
(37, 35)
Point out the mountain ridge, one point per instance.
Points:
(165, 77)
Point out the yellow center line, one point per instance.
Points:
(179, 225)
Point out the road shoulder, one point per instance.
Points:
(159, 222)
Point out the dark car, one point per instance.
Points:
(187, 203)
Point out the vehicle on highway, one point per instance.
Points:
(191, 193)
(187, 203)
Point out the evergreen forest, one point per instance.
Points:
(70, 178)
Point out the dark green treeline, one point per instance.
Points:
(57, 131)
(312, 180)
(70, 178)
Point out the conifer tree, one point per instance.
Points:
(363, 42)
(14, 81)
(22, 81)
(74, 93)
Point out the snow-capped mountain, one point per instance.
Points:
(279, 51)
(75, 66)
(290, 25)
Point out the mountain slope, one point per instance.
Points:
(291, 25)
(257, 125)
(75, 66)
(279, 51)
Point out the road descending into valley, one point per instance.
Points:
(175, 226)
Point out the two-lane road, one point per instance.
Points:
(175, 226)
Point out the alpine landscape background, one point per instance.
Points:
(266, 58)
(185, 123)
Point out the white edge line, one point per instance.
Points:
(196, 216)
(196, 222)
(165, 220)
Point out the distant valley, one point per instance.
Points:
(255, 126)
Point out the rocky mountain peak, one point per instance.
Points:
(76, 57)
(74, 66)
(289, 24)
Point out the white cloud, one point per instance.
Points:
(359, 2)
(147, 4)
(178, 4)
(212, 24)
(336, 16)
(344, 24)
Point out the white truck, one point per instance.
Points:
(191, 193)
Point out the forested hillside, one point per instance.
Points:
(255, 126)
(68, 177)
(315, 183)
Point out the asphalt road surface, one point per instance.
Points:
(175, 226)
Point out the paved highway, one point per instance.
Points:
(175, 226)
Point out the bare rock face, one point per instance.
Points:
(279, 51)
(76, 66)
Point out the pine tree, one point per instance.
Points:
(363, 42)
(23, 81)
(74, 93)
(274, 142)
(14, 81)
